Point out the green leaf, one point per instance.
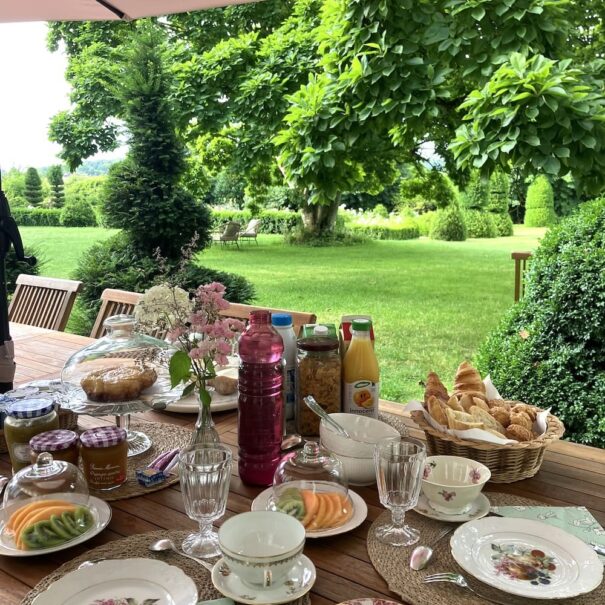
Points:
(205, 397)
(589, 141)
(188, 389)
(532, 140)
(552, 165)
(478, 13)
(562, 152)
(179, 368)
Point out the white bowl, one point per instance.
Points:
(451, 483)
(261, 547)
(356, 453)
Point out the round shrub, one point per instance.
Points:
(78, 214)
(381, 210)
(479, 223)
(539, 204)
(499, 193)
(449, 225)
(549, 349)
(114, 263)
(503, 224)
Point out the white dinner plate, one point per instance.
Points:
(526, 558)
(360, 512)
(191, 404)
(101, 512)
(142, 580)
(479, 508)
(299, 582)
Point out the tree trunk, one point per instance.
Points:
(318, 218)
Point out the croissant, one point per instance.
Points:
(468, 379)
(435, 388)
(437, 410)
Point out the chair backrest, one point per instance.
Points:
(253, 227)
(239, 311)
(521, 259)
(232, 229)
(114, 302)
(44, 302)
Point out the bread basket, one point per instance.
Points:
(507, 463)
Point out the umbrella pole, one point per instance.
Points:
(9, 234)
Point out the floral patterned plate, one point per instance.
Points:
(122, 582)
(526, 558)
(369, 601)
(478, 509)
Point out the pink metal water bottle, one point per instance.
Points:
(260, 418)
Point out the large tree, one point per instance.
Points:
(329, 96)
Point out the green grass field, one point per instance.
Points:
(432, 302)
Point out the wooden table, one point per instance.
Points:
(571, 475)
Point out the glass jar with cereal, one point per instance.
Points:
(318, 368)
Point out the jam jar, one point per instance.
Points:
(62, 444)
(104, 457)
(26, 419)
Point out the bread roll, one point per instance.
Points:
(515, 431)
(502, 415)
(480, 415)
(453, 403)
(521, 419)
(437, 410)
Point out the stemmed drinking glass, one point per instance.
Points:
(399, 467)
(205, 473)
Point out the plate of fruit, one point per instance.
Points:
(322, 509)
(51, 523)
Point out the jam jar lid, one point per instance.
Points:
(53, 441)
(103, 436)
(317, 343)
(30, 408)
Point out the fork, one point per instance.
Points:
(459, 580)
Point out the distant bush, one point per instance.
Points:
(503, 224)
(381, 210)
(78, 214)
(549, 348)
(476, 194)
(272, 221)
(37, 217)
(398, 231)
(449, 225)
(433, 186)
(479, 223)
(539, 204)
(425, 222)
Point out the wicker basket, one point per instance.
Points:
(507, 463)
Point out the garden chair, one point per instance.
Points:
(521, 259)
(43, 302)
(230, 235)
(251, 231)
(239, 311)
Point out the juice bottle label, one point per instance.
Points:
(361, 397)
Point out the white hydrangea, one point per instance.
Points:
(163, 306)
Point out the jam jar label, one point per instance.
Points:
(102, 476)
(22, 452)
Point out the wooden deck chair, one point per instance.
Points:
(229, 236)
(521, 259)
(114, 302)
(251, 231)
(239, 311)
(43, 302)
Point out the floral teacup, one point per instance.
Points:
(451, 484)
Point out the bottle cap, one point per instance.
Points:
(361, 325)
(281, 319)
(320, 330)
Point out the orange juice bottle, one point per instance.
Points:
(361, 377)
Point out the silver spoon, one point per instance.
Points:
(3, 482)
(167, 544)
(315, 407)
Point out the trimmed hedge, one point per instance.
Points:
(37, 217)
(449, 225)
(479, 223)
(78, 214)
(272, 221)
(405, 230)
(503, 224)
(539, 204)
(549, 349)
(425, 222)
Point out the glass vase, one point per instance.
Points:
(205, 433)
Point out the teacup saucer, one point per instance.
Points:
(300, 580)
(479, 508)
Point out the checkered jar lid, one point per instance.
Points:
(53, 441)
(30, 408)
(103, 436)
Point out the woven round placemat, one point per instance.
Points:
(163, 437)
(392, 564)
(395, 421)
(136, 546)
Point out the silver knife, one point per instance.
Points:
(600, 550)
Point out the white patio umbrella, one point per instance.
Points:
(12, 11)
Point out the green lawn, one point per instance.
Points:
(432, 302)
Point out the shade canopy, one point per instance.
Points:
(97, 10)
